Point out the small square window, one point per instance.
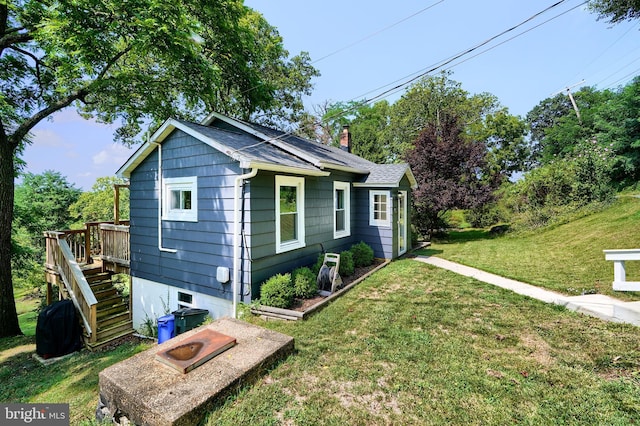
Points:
(379, 208)
(181, 199)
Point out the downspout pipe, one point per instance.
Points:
(160, 190)
(237, 240)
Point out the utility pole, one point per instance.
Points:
(573, 101)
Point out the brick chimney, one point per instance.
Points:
(345, 139)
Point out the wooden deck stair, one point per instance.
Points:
(113, 315)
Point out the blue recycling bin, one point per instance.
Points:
(165, 328)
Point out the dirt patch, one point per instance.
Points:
(539, 349)
(134, 340)
(378, 402)
(17, 351)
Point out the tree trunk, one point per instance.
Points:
(8, 315)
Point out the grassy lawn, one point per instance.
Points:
(414, 344)
(418, 345)
(73, 380)
(567, 258)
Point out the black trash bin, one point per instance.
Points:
(58, 330)
(188, 318)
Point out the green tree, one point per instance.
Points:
(555, 127)
(131, 61)
(504, 135)
(616, 10)
(366, 124)
(427, 102)
(451, 171)
(42, 203)
(618, 128)
(97, 205)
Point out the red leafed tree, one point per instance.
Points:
(452, 173)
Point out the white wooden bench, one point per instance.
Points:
(618, 257)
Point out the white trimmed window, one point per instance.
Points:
(341, 209)
(379, 208)
(180, 199)
(289, 213)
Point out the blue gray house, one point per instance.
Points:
(219, 207)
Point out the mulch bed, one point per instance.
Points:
(302, 305)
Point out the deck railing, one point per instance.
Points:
(83, 243)
(76, 285)
(115, 244)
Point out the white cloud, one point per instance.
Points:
(115, 154)
(46, 138)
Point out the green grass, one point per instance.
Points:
(418, 345)
(27, 302)
(567, 258)
(73, 380)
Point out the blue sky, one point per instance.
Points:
(367, 53)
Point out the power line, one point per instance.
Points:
(466, 52)
(607, 49)
(377, 32)
(435, 67)
(443, 62)
(617, 71)
(624, 77)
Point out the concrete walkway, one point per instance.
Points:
(596, 305)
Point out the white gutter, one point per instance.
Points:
(160, 201)
(237, 214)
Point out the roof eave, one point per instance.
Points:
(282, 169)
(160, 135)
(333, 166)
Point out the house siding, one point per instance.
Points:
(380, 238)
(200, 246)
(318, 226)
(383, 239)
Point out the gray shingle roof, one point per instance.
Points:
(386, 174)
(254, 145)
(325, 153)
(250, 147)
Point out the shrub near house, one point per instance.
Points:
(280, 290)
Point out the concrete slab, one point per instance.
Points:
(597, 305)
(487, 277)
(148, 392)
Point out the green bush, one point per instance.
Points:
(486, 215)
(304, 283)
(346, 264)
(277, 291)
(550, 193)
(362, 254)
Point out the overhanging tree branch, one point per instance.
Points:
(10, 39)
(30, 123)
(21, 132)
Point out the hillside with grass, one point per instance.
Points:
(567, 258)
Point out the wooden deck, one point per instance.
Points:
(81, 263)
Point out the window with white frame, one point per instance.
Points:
(289, 213)
(379, 208)
(341, 209)
(180, 199)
